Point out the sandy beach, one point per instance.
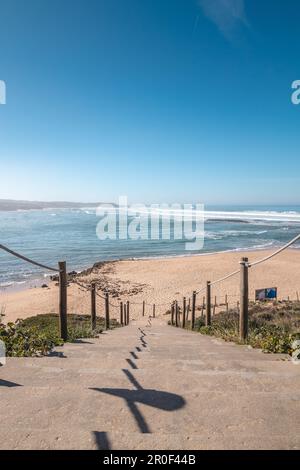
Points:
(159, 281)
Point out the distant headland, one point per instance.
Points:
(15, 205)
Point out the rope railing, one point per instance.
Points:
(200, 290)
(24, 258)
(212, 283)
(87, 288)
(251, 265)
(99, 295)
(255, 263)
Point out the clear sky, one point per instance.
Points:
(160, 100)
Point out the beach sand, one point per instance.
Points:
(160, 281)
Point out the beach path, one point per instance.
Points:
(150, 386)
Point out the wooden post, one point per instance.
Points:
(208, 304)
(193, 309)
(143, 308)
(107, 325)
(93, 305)
(121, 314)
(183, 312)
(172, 314)
(188, 308)
(124, 314)
(153, 310)
(176, 313)
(127, 311)
(226, 303)
(63, 322)
(244, 299)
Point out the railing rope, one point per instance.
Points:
(24, 258)
(225, 277)
(251, 265)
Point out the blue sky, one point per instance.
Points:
(159, 100)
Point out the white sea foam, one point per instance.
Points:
(243, 216)
(6, 284)
(254, 215)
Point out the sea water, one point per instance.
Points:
(49, 236)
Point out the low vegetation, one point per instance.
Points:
(272, 326)
(38, 335)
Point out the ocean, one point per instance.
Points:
(51, 235)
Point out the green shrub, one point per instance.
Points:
(272, 327)
(38, 335)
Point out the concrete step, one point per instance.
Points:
(184, 391)
(84, 439)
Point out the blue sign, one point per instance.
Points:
(269, 293)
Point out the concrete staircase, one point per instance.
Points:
(150, 386)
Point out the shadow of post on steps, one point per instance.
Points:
(102, 440)
(161, 400)
(6, 383)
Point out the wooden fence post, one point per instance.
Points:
(183, 312)
(121, 314)
(124, 314)
(153, 310)
(193, 309)
(93, 305)
(143, 308)
(244, 299)
(208, 303)
(172, 314)
(176, 313)
(226, 303)
(107, 325)
(127, 311)
(63, 322)
(188, 309)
